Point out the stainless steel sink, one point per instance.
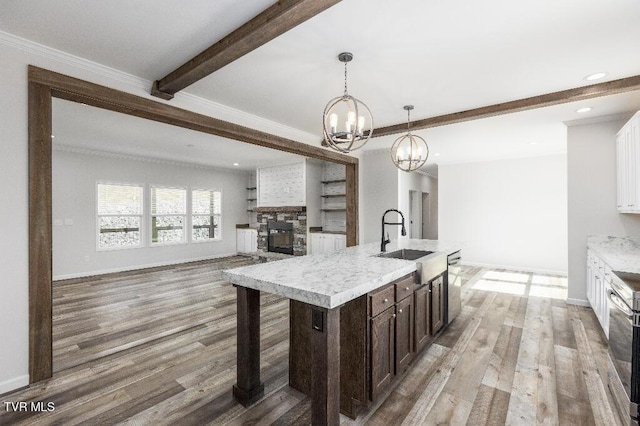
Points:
(406, 254)
(428, 264)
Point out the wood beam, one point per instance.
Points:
(76, 90)
(272, 22)
(565, 96)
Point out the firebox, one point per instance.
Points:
(280, 237)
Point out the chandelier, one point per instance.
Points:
(347, 122)
(409, 152)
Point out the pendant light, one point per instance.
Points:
(409, 152)
(347, 122)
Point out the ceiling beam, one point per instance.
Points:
(272, 22)
(565, 96)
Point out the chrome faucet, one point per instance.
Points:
(383, 244)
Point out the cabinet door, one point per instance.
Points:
(382, 351)
(404, 333)
(339, 242)
(240, 241)
(437, 312)
(327, 243)
(316, 243)
(422, 313)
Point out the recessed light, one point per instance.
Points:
(595, 76)
(533, 143)
(585, 109)
(437, 154)
(236, 164)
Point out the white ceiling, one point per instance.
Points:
(441, 56)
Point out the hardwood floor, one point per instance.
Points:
(517, 354)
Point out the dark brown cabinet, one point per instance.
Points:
(404, 333)
(382, 350)
(380, 334)
(437, 305)
(423, 317)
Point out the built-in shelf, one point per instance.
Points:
(334, 195)
(334, 181)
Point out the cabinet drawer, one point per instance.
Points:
(381, 300)
(404, 288)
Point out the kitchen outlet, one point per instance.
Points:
(57, 222)
(68, 222)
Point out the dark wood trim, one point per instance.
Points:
(76, 90)
(45, 84)
(272, 22)
(249, 388)
(40, 240)
(325, 376)
(565, 96)
(351, 200)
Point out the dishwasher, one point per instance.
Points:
(453, 287)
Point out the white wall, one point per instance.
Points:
(16, 54)
(74, 197)
(508, 213)
(592, 208)
(421, 183)
(378, 192)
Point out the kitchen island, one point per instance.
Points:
(326, 282)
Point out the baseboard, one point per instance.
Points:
(515, 268)
(579, 302)
(137, 267)
(13, 384)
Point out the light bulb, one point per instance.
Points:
(360, 125)
(333, 122)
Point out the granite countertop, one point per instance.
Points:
(620, 253)
(329, 280)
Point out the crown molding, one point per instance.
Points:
(187, 100)
(141, 158)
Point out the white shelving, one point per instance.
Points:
(598, 275)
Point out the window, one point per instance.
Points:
(119, 216)
(168, 215)
(206, 212)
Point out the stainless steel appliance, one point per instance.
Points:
(624, 343)
(453, 285)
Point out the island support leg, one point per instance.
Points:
(325, 376)
(249, 388)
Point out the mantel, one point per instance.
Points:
(280, 209)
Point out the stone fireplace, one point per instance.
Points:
(272, 222)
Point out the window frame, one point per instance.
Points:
(141, 216)
(191, 215)
(186, 222)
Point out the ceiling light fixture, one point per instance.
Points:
(344, 118)
(585, 109)
(236, 164)
(409, 152)
(595, 76)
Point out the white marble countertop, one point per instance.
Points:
(620, 253)
(329, 280)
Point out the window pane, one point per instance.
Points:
(202, 202)
(168, 201)
(119, 199)
(203, 229)
(119, 231)
(167, 229)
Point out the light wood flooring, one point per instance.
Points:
(517, 354)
